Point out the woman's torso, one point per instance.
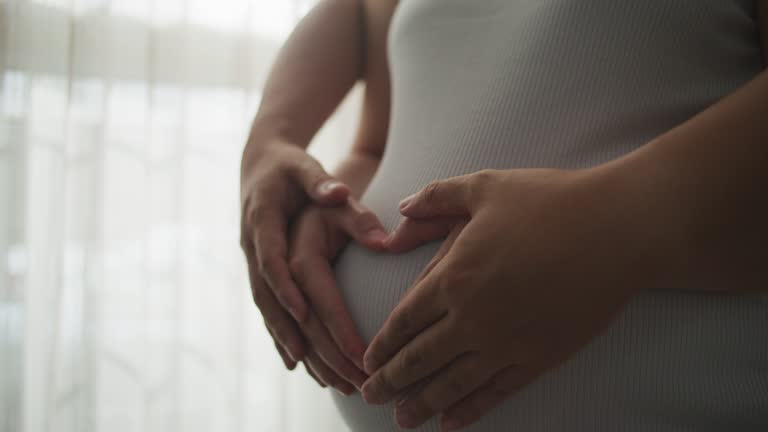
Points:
(570, 84)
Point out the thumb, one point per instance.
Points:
(441, 198)
(321, 187)
(362, 225)
(412, 233)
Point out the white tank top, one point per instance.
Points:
(569, 84)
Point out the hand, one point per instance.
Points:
(317, 237)
(276, 181)
(536, 264)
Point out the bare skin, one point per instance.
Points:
(285, 192)
(674, 248)
(686, 211)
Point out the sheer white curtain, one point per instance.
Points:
(123, 296)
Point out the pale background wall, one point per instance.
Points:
(124, 303)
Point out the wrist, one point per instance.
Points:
(264, 138)
(640, 211)
(274, 127)
(356, 170)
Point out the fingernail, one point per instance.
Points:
(404, 203)
(376, 235)
(328, 186)
(450, 424)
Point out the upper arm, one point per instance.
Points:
(762, 14)
(374, 122)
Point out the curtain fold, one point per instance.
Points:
(124, 302)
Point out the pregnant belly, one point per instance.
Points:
(372, 285)
(674, 361)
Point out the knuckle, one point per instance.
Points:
(479, 182)
(297, 265)
(485, 175)
(431, 191)
(410, 358)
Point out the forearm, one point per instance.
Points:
(357, 170)
(315, 69)
(696, 196)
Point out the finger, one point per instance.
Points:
(313, 375)
(327, 375)
(316, 278)
(445, 247)
(455, 382)
(313, 365)
(412, 233)
(362, 225)
(417, 311)
(427, 353)
(282, 327)
(486, 398)
(269, 242)
(326, 348)
(287, 360)
(449, 197)
(317, 183)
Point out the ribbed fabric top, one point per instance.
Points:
(557, 83)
